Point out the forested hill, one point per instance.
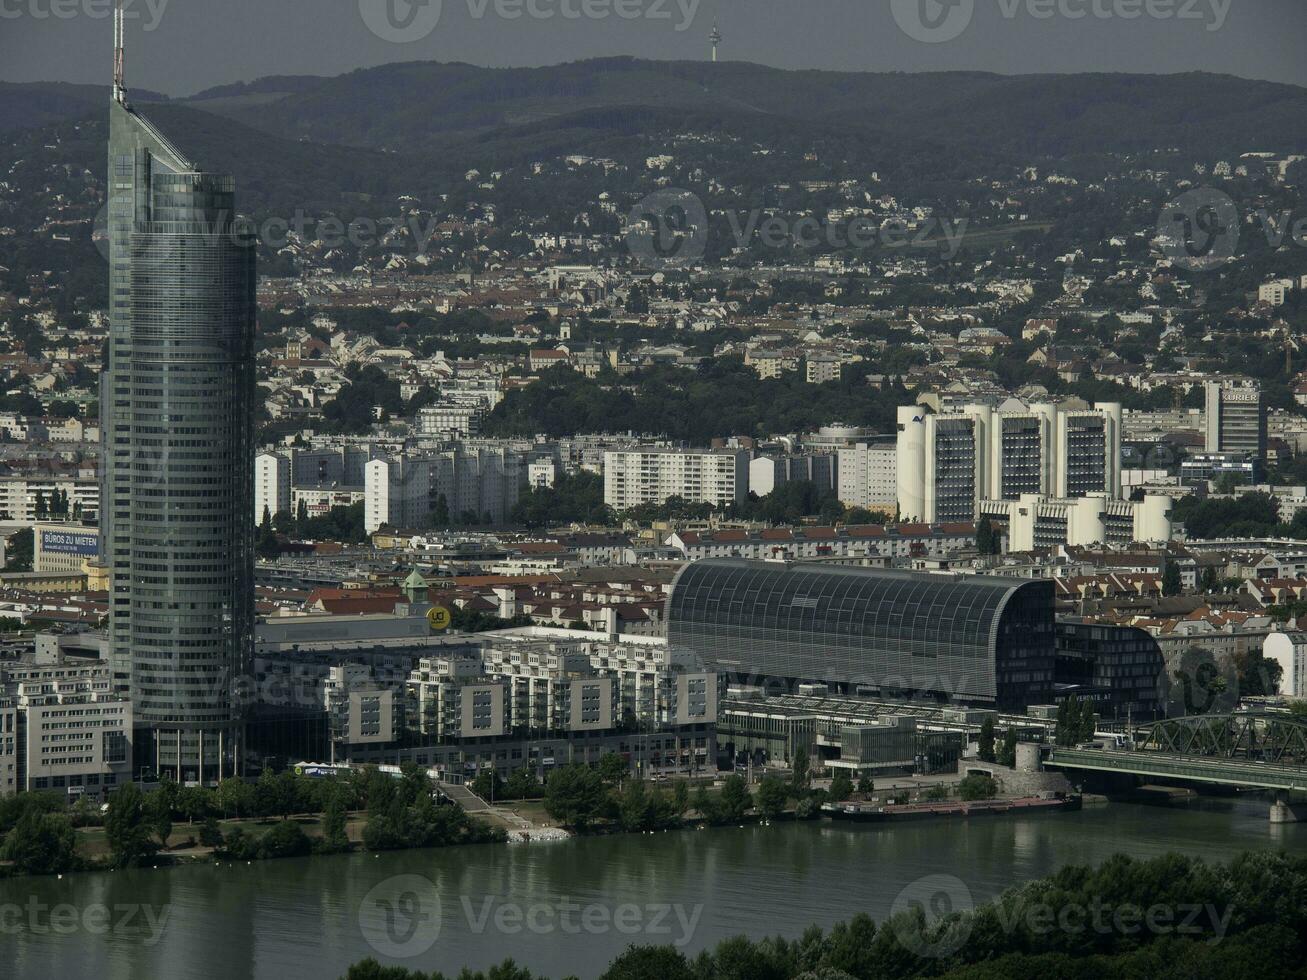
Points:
(428, 106)
(420, 104)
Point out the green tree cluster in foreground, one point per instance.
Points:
(608, 796)
(1166, 918)
(39, 837)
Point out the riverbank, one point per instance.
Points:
(964, 809)
(752, 880)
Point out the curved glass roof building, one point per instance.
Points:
(177, 462)
(966, 638)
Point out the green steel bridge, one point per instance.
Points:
(1255, 750)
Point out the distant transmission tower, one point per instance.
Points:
(716, 38)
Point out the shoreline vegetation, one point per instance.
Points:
(1166, 918)
(173, 825)
(290, 815)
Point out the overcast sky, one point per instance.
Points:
(182, 46)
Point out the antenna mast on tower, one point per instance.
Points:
(119, 89)
(716, 38)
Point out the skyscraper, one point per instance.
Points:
(177, 467)
(1236, 418)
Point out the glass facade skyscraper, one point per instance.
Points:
(967, 638)
(177, 460)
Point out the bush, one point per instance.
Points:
(211, 833)
(978, 787)
(241, 846)
(286, 839)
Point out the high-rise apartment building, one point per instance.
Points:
(650, 475)
(456, 485)
(177, 459)
(1235, 419)
(868, 475)
(271, 485)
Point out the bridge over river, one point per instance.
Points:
(1257, 750)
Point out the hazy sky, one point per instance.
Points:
(182, 46)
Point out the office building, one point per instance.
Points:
(1088, 452)
(945, 464)
(63, 547)
(63, 728)
(649, 475)
(1245, 468)
(939, 466)
(971, 639)
(1117, 669)
(177, 405)
(1235, 419)
(1035, 521)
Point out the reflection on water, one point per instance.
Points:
(570, 907)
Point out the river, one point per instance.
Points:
(565, 907)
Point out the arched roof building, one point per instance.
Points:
(967, 638)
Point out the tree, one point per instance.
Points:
(612, 768)
(634, 810)
(986, 750)
(978, 787)
(125, 827)
(158, 815)
(773, 794)
(841, 787)
(1007, 753)
(235, 797)
(734, 801)
(1211, 581)
(211, 834)
(335, 836)
(681, 797)
(705, 804)
(268, 545)
(285, 839)
(866, 786)
(802, 777)
(41, 843)
(649, 963)
(988, 541)
(574, 795)
(488, 785)
(193, 803)
(1171, 584)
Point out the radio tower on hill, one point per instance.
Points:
(716, 38)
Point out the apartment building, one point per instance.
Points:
(649, 475)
